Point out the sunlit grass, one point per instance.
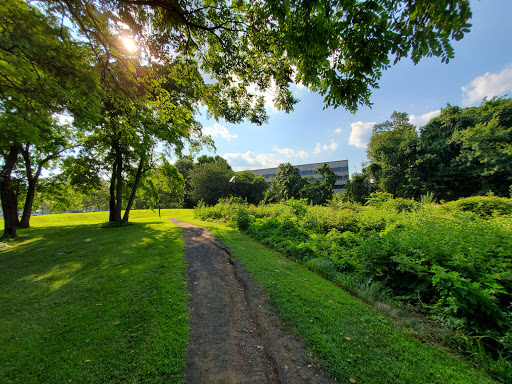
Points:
(83, 304)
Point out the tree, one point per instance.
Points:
(338, 48)
(465, 152)
(211, 159)
(328, 180)
(358, 188)
(163, 186)
(185, 166)
(250, 187)
(57, 194)
(393, 148)
(210, 181)
(319, 189)
(43, 72)
(288, 183)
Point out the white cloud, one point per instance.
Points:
(326, 147)
(421, 120)
(488, 85)
(361, 133)
(219, 130)
(288, 152)
(338, 130)
(254, 160)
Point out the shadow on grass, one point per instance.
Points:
(83, 303)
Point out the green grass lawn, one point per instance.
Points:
(352, 340)
(84, 304)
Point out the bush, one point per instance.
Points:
(400, 205)
(243, 219)
(484, 206)
(376, 199)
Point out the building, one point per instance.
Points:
(339, 167)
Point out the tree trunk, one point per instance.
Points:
(112, 201)
(119, 187)
(116, 181)
(134, 190)
(9, 198)
(31, 191)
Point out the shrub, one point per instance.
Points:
(298, 207)
(400, 205)
(483, 205)
(376, 199)
(243, 219)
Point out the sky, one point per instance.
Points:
(482, 67)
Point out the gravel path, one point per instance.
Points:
(234, 337)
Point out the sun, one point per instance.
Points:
(129, 44)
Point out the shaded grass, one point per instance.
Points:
(352, 340)
(84, 304)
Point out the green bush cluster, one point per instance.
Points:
(484, 206)
(452, 262)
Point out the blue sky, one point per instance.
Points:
(482, 67)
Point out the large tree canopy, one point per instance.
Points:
(392, 151)
(336, 47)
(43, 71)
(463, 152)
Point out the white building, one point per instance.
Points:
(339, 167)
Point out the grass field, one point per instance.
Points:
(84, 304)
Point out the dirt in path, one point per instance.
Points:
(234, 337)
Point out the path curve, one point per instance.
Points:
(234, 337)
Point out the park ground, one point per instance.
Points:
(86, 304)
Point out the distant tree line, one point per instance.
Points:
(463, 152)
(211, 178)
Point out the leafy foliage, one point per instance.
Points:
(483, 206)
(450, 264)
(461, 153)
(210, 182)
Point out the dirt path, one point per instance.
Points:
(234, 338)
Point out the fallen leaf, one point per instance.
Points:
(260, 347)
(87, 361)
(285, 367)
(352, 380)
(137, 326)
(348, 338)
(117, 322)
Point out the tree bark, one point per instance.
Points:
(134, 191)
(7, 195)
(116, 182)
(112, 201)
(119, 186)
(31, 191)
